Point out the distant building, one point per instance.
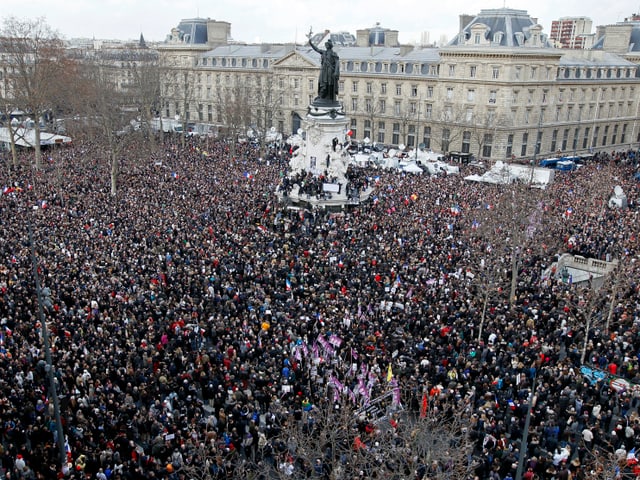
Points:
(498, 90)
(571, 32)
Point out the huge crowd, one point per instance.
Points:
(195, 307)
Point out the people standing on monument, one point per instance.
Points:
(329, 71)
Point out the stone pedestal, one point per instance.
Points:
(321, 153)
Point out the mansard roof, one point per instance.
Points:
(502, 27)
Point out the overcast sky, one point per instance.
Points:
(289, 20)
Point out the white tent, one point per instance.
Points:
(27, 138)
(409, 167)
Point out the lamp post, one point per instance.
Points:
(53, 392)
(536, 146)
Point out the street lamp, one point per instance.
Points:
(47, 351)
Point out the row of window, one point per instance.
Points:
(573, 72)
(588, 138)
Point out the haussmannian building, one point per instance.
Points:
(498, 90)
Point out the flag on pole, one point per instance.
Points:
(287, 283)
(389, 374)
(424, 406)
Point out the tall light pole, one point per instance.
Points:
(525, 433)
(53, 392)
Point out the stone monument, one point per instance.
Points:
(320, 153)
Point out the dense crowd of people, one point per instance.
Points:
(191, 313)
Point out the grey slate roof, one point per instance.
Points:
(193, 31)
(634, 41)
(513, 24)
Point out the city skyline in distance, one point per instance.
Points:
(288, 22)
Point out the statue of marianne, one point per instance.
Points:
(329, 71)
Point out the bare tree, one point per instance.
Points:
(337, 440)
(36, 56)
(235, 106)
(265, 100)
(144, 90)
(448, 127)
(101, 106)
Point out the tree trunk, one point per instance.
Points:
(114, 174)
(514, 276)
(484, 314)
(14, 152)
(36, 146)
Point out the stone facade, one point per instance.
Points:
(478, 95)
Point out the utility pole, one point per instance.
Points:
(536, 147)
(525, 432)
(53, 392)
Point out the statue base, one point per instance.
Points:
(318, 176)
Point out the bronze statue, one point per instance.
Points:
(329, 72)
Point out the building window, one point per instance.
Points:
(523, 149)
(545, 95)
(623, 135)
(413, 109)
(429, 92)
(311, 84)
(398, 89)
(414, 90)
(367, 129)
(472, 71)
(493, 95)
(446, 135)
(428, 111)
(487, 145)
(452, 70)
(495, 73)
(534, 73)
(466, 141)
(596, 132)
(538, 142)
(369, 87)
(471, 95)
(383, 105)
(341, 86)
(354, 87)
(395, 139)
(605, 134)
(426, 137)
(380, 132)
(554, 140)
(449, 93)
(518, 73)
(576, 134)
(383, 88)
(354, 104)
(585, 139)
(565, 139)
(368, 107)
(527, 115)
(397, 107)
(509, 145)
(411, 136)
(477, 38)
